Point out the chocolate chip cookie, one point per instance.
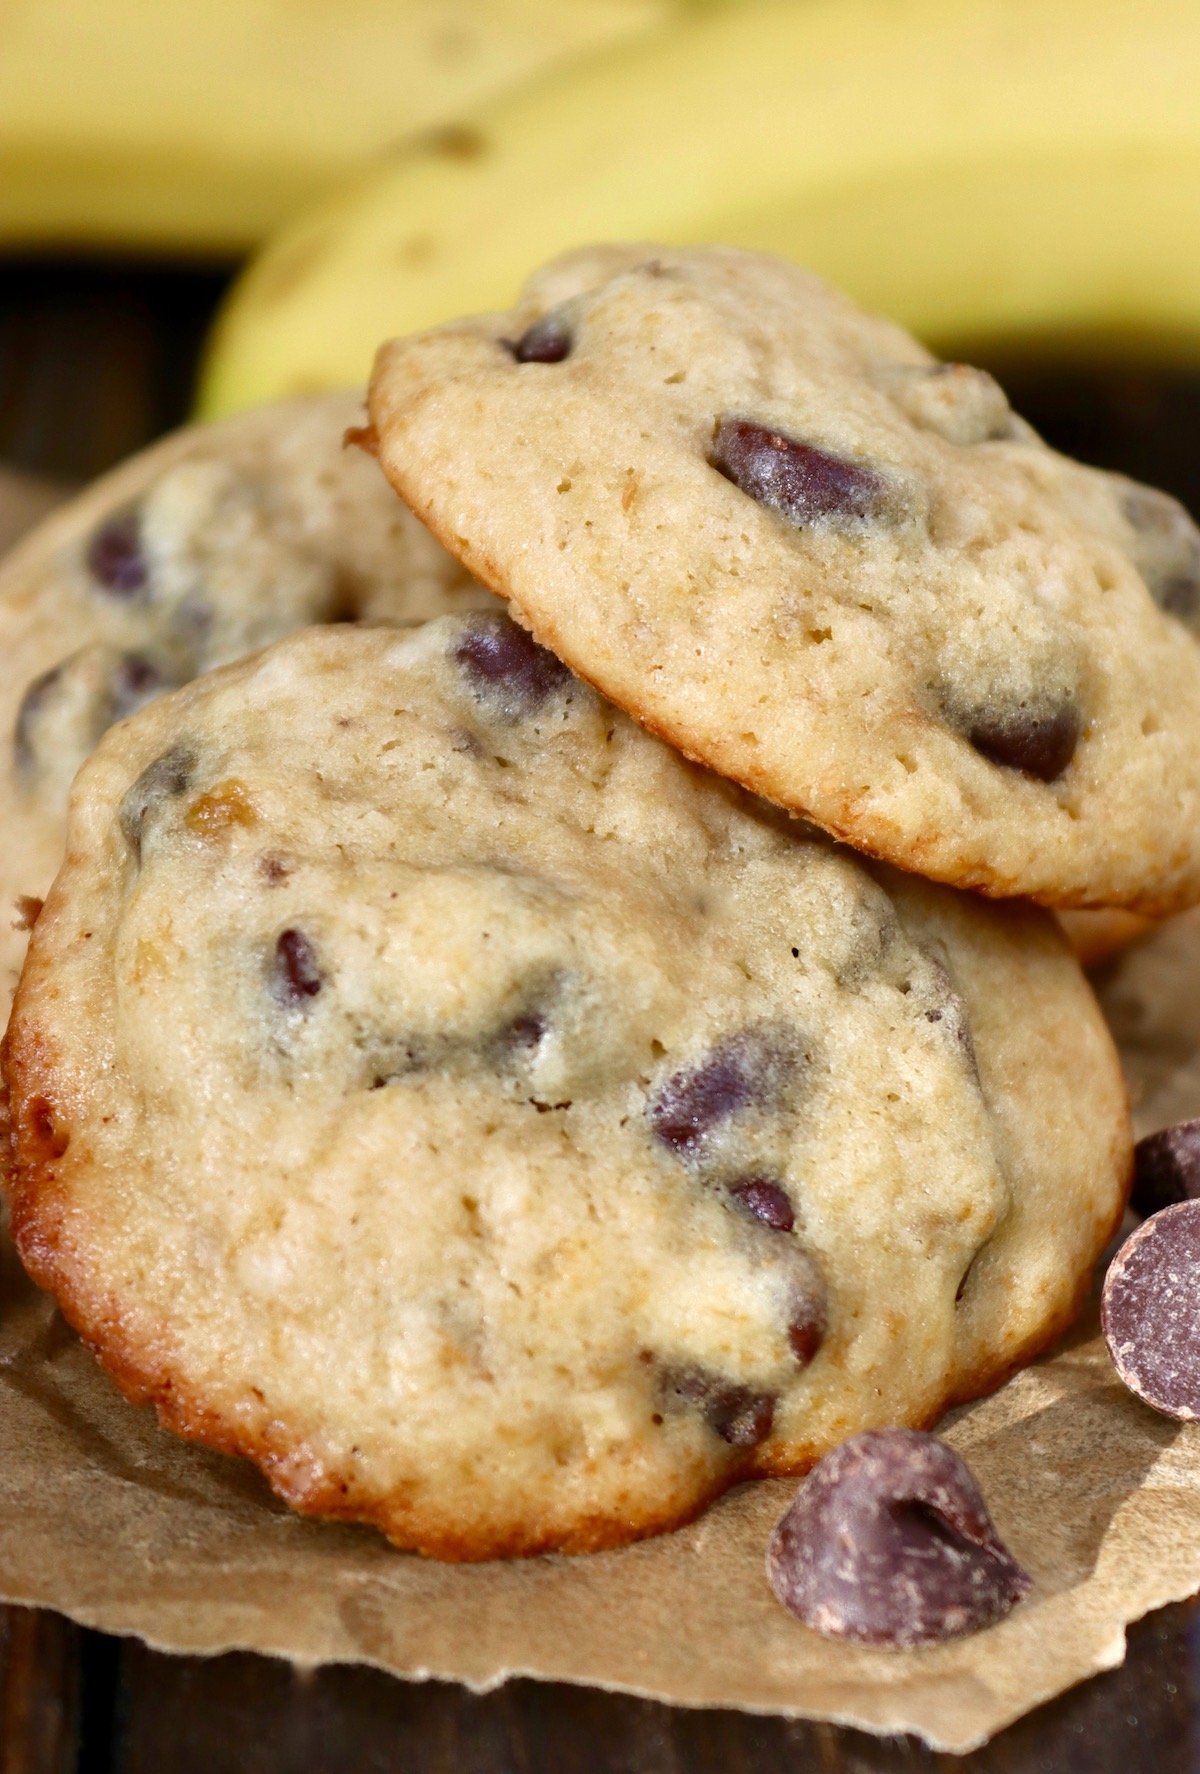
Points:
(205, 547)
(428, 1084)
(782, 535)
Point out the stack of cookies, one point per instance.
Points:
(513, 1071)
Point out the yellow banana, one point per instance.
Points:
(201, 124)
(974, 167)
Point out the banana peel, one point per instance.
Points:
(976, 168)
(199, 125)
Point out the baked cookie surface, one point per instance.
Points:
(428, 1084)
(783, 536)
(207, 546)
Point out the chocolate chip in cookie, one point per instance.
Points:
(739, 1415)
(115, 557)
(750, 1069)
(1166, 551)
(162, 781)
(505, 663)
(548, 340)
(803, 483)
(64, 712)
(1039, 742)
(296, 974)
(765, 1201)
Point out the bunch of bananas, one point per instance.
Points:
(200, 124)
(974, 167)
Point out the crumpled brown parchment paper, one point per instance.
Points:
(109, 1520)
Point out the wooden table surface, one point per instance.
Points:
(95, 361)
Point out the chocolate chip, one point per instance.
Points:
(808, 1324)
(546, 341)
(766, 1201)
(889, 1542)
(507, 664)
(950, 1011)
(762, 1199)
(135, 681)
(31, 705)
(93, 688)
(164, 780)
(739, 1415)
(749, 1069)
(524, 1032)
(803, 483)
(511, 1049)
(1041, 743)
(295, 975)
(1166, 1168)
(1166, 552)
(114, 556)
(1150, 1311)
(1179, 597)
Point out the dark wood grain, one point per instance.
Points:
(1143, 419)
(40, 1689)
(244, 1715)
(94, 361)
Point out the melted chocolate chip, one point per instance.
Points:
(32, 703)
(524, 1032)
(803, 483)
(295, 975)
(750, 1069)
(1179, 597)
(1041, 744)
(1150, 1311)
(737, 1414)
(507, 1047)
(951, 1013)
(114, 556)
(507, 664)
(766, 1201)
(1166, 1168)
(135, 680)
(96, 687)
(510, 1049)
(548, 340)
(889, 1542)
(164, 780)
(1166, 552)
(808, 1324)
